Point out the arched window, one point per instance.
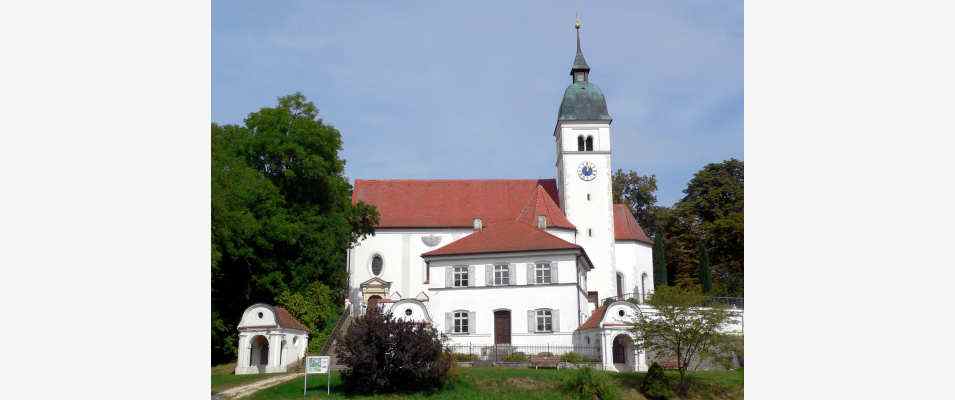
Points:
(619, 286)
(580, 143)
(590, 143)
(377, 263)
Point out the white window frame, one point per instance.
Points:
(501, 275)
(460, 276)
(542, 318)
(539, 272)
(460, 322)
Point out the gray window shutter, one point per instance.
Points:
(553, 272)
(471, 276)
(555, 320)
(530, 273)
(531, 324)
(489, 275)
(448, 323)
(472, 322)
(449, 277)
(512, 274)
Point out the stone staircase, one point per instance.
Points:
(330, 347)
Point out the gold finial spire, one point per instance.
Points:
(577, 24)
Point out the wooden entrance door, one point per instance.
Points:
(502, 327)
(373, 303)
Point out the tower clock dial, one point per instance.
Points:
(587, 171)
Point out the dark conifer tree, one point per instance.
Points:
(660, 275)
(704, 269)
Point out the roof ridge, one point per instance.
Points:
(458, 180)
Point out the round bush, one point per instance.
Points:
(585, 384)
(655, 385)
(572, 357)
(516, 356)
(389, 355)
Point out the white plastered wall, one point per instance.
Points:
(593, 217)
(634, 259)
(563, 295)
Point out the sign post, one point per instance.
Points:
(318, 365)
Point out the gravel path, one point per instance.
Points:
(245, 390)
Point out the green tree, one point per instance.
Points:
(680, 327)
(659, 260)
(704, 269)
(715, 198)
(317, 308)
(711, 208)
(638, 192)
(282, 216)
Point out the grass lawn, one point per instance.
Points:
(517, 383)
(224, 377)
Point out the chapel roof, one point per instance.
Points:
(285, 320)
(455, 203)
(594, 321)
(625, 226)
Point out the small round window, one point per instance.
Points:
(620, 313)
(408, 312)
(376, 264)
(260, 315)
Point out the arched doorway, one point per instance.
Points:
(259, 351)
(623, 352)
(373, 302)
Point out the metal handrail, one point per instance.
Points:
(346, 313)
(732, 302)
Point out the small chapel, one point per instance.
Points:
(544, 263)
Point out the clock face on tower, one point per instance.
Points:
(587, 171)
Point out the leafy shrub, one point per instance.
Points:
(585, 384)
(572, 357)
(464, 357)
(516, 356)
(655, 385)
(387, 355)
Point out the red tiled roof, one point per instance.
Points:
(505, 237)
(444, 203)
(594, 321)
(625, 226)
(286, 320)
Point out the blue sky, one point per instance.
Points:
(471, 89)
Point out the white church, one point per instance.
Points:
(514, 262)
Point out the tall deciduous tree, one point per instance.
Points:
(715, 196)
(282, 216)
(680, 327)
(639, 193)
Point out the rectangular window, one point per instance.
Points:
(460, 322)
(460, 276)
(542, 273)
(501, 275)
(544, 321)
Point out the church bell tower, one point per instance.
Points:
(583, 148)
